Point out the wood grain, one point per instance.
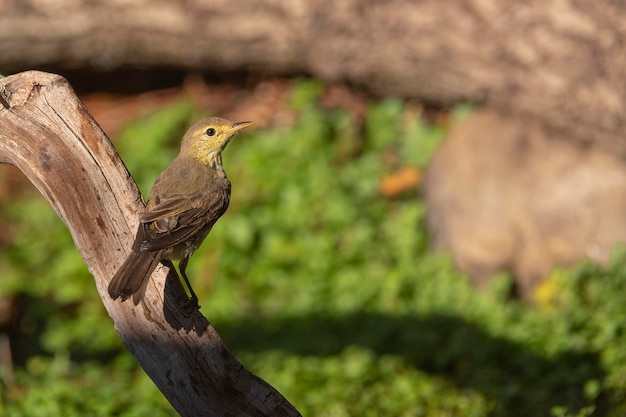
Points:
(50, 136)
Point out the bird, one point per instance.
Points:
(186, 200)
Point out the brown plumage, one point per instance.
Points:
(185, 202)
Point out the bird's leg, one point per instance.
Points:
(193, 300)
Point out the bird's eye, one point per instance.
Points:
(210, 132)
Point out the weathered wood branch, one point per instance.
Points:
(51, 137)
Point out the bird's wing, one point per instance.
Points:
(175, 218)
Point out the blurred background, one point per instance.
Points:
(427, 219)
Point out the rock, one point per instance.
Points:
(506, 194)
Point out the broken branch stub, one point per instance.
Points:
(49, 135)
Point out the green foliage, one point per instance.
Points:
(148, 145)
(324, 288)
(61, 387)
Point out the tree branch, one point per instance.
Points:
(50, 136)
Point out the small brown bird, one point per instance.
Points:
(185, 202)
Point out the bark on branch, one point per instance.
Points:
(51, 137)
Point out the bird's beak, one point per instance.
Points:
(236, 127)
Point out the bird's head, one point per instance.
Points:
(206, 139)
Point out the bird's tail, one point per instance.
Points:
(132, 277)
